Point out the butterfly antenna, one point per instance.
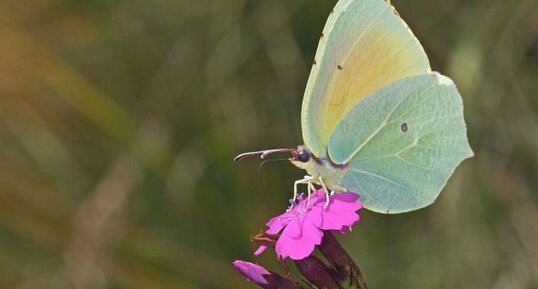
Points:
(263, 154)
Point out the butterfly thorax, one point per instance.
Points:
(317, 167)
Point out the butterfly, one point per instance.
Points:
(375, 119)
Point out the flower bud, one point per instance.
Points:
(316, 272)
(345, 267)
(263, 277)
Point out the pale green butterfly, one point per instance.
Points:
(376, 120)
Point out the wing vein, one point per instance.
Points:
(383, 124)
(417, 165)
(380, 177)
(441, 149)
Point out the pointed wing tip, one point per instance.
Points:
(470, 154)
(442, 79)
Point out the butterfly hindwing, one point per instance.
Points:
(402, 143)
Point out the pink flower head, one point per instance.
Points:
(302, 226)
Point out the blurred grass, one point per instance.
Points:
(119, 120)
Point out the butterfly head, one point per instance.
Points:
(303, 158)
(301, 154)
(317, 167)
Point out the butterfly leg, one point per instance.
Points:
(306, 180)
(309, 193)
(326, 193)
(311, 186)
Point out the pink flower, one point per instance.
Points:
(302, 226)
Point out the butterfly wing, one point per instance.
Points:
(365, 45)
(402, 143)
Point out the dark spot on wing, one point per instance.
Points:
(339, 67)
(403, 127)
(314, 62)
(322, 34)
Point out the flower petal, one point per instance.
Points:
(341, 212)
(315, 216)
(318, 197)
(348, 197)
(278, 223)
(293, 229)
(299, 248)
(260, 250)
(336, 220)
(345, 201)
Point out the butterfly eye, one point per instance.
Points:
(303, 156)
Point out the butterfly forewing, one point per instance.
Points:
(364, 46)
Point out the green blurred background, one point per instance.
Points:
(119, 121)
